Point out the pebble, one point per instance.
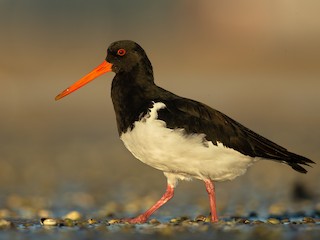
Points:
(179, 220)
(257, 222)
(92, 221)
(175, 220)
(202, 218)
(69, 222)
(273, 221)
(285, 221)
(242, 221)
(246, 221)
(154, 222)
(114, 221)
(50, 222)
(74, 215)
(308, 220)
(5, 223)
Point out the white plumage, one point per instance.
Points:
(179, 155)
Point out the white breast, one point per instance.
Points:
(176, 153)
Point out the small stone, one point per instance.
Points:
(28, 224)
(83, 223)
(246, 221)
(154, 222)
(308, 220)
(5, 223)
(285, 220)
(74, 215)
(257, 222)
(68, 222)
(50, 222)
(179, 220)
(175, 220)
(114, 221)
(242, 220)
(92, 221)
(273, 221)
(202, 218)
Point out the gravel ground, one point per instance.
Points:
(82, 188)
(280, 227)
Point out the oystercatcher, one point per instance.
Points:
(183, 138)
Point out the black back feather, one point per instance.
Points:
(195, 117)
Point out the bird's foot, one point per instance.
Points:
(214, 220)
(137, 220)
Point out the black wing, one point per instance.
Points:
(195, 117)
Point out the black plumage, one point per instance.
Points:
(134, 91)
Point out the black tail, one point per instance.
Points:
(267, 149)
(295, 161)
(264, 148)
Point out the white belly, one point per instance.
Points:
(186, 156)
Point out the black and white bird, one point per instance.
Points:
(183, 138)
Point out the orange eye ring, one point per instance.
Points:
(121, 52)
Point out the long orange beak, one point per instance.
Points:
(101, 69)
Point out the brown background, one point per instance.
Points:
(256, 61)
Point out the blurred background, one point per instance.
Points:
(256, 61)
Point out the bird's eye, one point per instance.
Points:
(121, 52)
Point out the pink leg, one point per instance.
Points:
(212, 198)
(144, 217)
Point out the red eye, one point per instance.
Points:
(121, 52)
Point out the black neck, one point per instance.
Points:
(131, 94)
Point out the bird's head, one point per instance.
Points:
(122, 56)
(125, 55)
